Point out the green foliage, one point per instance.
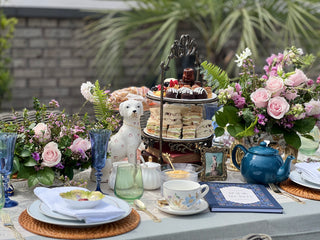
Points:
(216, 77)
(7, 27)
(103, 109)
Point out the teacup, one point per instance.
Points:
(183, 194)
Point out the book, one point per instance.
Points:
(240, 197)
(176, 157)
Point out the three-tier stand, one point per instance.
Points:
(180, 48)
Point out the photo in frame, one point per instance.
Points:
(214, 163)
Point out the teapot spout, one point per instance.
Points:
(284, 170)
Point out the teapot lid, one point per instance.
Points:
(263, 149)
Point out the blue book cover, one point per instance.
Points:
(240, 197)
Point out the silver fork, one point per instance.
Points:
(6, 220)
(278, 191)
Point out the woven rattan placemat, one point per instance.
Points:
(106, 230)
(300, 191)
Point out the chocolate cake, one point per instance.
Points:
(200, 93)
(172, 93)
(185, 93)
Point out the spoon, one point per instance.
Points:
(167, 155)
(141, 206)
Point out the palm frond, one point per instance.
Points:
(216, 77)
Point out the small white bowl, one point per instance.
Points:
(81, 199)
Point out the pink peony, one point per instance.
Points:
(42, 132)
(260, 97)
(275, 85)
(51, 155)
(80, 145)
(277, 107)
(296, 79)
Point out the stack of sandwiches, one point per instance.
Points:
(179, 122)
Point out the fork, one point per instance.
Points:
(276, 189)
(6, 220)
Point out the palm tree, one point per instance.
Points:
(225, 26)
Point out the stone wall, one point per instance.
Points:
(47, 63)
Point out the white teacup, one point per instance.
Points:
(183, 194)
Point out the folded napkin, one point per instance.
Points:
(310, 170)
(102, 212)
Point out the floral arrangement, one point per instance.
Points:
(282, 101)
(53, 143)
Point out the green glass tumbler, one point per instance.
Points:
(128, 185)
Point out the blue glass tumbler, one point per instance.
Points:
(99, 139)
(7, 145)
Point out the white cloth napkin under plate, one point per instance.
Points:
(309, 171)
(102, 212)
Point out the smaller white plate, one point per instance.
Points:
(200, 207)
(296, 177)
(45, 210)
(309, 179)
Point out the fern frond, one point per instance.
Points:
(216, 77)
(101, 110)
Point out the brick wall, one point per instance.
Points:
(48, 63)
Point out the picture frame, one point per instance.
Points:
(214, 163)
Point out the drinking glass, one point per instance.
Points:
(129, 183)
(310, 146)
(99, 139)
(7, 144)
(2, 197)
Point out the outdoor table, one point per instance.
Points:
(298, 221)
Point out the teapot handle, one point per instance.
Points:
(234, 151)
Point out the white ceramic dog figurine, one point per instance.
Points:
(127, 140)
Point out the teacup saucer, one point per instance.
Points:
(200, 207)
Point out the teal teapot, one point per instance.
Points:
(262, 164)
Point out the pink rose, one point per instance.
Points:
(42, 132)
(296, 79)
(80, 144)
(275, 85)
(260, 97)
(51, 155)
(278, 107)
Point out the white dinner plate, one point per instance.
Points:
(35, 212)
(296, 177)
(200, 207)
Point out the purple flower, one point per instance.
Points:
(262, 119)
(59, 166)
(35, 156)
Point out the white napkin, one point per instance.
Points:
(310, 170)
(102, 212)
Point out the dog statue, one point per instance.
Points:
(127, 140)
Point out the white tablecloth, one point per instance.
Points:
(299, 221)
